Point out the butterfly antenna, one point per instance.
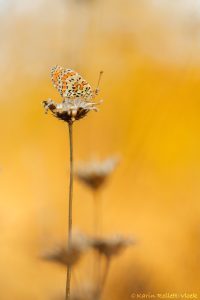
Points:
(100, 76)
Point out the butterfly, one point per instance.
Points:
(71, 84)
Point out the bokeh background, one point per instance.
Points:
(149, 51)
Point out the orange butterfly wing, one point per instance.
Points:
(70, 84)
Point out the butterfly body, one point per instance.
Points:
(71, 85)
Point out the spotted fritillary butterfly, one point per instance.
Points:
(71, 85)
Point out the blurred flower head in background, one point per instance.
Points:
(111, 246)
(95, 173)
(65, 255)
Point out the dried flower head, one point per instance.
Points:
(69, 110)
(95, 173)
(68, 256)
(76, 93)
(111, 246)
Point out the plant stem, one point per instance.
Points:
(68, 281)
(107, 267)
(105, 276)
(97, 213)
(97, 232)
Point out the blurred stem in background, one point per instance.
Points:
(97, 227)
(105, 275)
(68, 281)
(94, 175)
(97, 212)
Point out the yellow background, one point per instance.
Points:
(149, 51)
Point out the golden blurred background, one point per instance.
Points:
(149, 51)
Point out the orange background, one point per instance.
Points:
(149, 51)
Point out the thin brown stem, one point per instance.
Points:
(104, 277)
(97, 212)
(68, 281)
(97, 216)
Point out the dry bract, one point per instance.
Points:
(111, 246)
(70, 110)
(95, 173)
